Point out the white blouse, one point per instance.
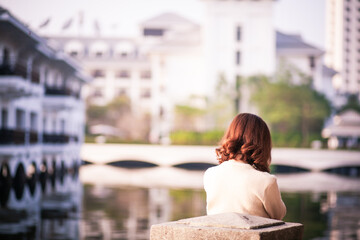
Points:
(234, 186)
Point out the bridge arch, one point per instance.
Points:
(132, 163)
(5, 184)
(53, 173)
(19, 181)
(43, 175)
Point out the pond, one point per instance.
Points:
(107, 202)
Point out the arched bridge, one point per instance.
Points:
(167, 156)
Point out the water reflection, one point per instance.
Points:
(128, 212)
(46, 209)
(117, 203)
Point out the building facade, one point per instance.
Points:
(343, 44)
(41, 115)
(239, 41)
(173, 57)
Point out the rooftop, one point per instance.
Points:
(294, 43)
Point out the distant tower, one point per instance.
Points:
(239, 42)
(343, 44)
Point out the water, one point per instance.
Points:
(114, 203)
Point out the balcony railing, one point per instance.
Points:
(10, 136)
(18, 137)
(34, 137)
(35, 77)
(61, 92)
(19, 70)
(55, 138)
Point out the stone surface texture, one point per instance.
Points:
(229, 226)
(231, 220)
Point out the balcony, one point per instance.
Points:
(14, 82)
(55, 138)
(17, 137)
(12, 137)
(33, 137)
(60, 98)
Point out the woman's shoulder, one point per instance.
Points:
(211, 170)
(266, 178)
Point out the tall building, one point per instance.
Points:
(239, 41)
(343, 44)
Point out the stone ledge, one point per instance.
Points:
(225, 226)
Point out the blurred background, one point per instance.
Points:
(110, 110)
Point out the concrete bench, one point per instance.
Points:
(226, 226)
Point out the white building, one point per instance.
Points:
(239, 41)
(344, 131)
(343, 44)
(298, 56)
(145, 69)
(41, 112)
(173, 57)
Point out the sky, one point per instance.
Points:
(305, 17)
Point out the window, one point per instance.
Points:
(44, 124)
(98, 73)
(146, 74)
(123, 74)
(312, 62)
(238, 57)
(74, 53)
(99, 54)
(54, 126)
(4, 118)
(33, 121)
(20, 119)
(6, 57)
(145, 93)
(62, 126)
(153, 32)
(97, 92)
(238, 33)
(121, 92)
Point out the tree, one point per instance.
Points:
(118, 114)
(187, 117)
(352, 104)
(222, 106)
(295, 113)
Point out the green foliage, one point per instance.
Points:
(352, 104)
(314, 222)
(188, 110)
(96, 112)
(222, 107)
(111, 139)
(108, 114)
(129, 127)
(196, 138)
(190, 203)
(295, 113)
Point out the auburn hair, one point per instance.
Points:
(247, 139)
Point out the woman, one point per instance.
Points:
(241, 182)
